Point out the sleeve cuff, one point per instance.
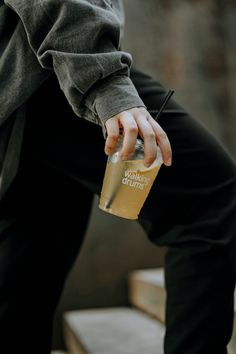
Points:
(113, 95)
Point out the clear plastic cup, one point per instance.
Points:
(127, 184)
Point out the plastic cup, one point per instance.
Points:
(127, 184)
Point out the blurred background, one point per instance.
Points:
(188, 46)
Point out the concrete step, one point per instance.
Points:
(117, 330)
(147, 291)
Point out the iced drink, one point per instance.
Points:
(127, 184)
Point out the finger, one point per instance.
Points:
(163, 141)
(112, 127)
(149, 137)
(130, 131)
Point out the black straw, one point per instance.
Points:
(166, 100)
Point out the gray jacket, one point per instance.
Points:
(79, 41)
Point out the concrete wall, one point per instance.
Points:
(189, 46)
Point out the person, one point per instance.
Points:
(65, 86)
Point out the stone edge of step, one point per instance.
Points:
(154, 276)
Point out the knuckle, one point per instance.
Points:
(113, 136)
(150, 135)
(108, 150)
(133, 130)
(162, 135)
(108, 147)
(130, 151)
(151, 156)
(149, 160)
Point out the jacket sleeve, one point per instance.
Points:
(79, 40)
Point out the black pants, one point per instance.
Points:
(191, 209)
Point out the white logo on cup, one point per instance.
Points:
(135, 180)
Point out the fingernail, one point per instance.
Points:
(108, 152)
(147, 163)
(169, 162)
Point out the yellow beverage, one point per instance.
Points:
(126, 186)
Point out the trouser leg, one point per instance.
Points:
(199, 313)
(43, 226)
(192, 209)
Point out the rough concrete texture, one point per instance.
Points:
(116, 331)
(189, 46)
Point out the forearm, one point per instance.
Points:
(79, 40)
